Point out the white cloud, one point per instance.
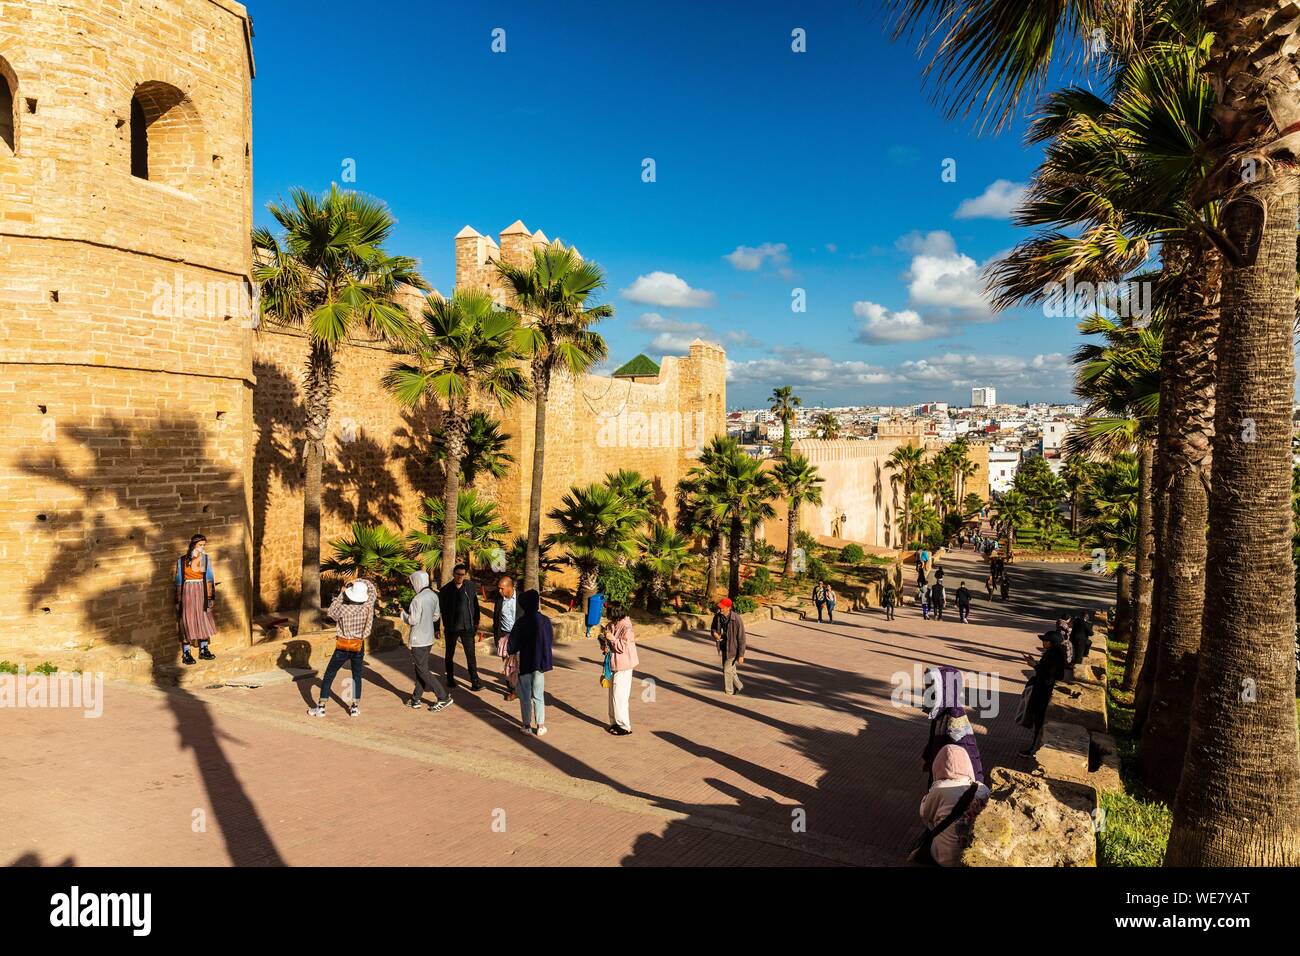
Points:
(674, 336)
(667, 291)
(943, 278)
(751, 258)
(912, 380)
(998, 201)
(881, 325)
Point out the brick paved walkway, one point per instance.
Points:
(231, 775)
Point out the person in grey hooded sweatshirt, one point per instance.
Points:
(421, 616)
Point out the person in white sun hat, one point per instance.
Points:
(353, 611)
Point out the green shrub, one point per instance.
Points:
(617, 583)
(1134, 832)
(852, 554)
(689, 607)
(759, 583)
(816, 570)
(45, 668)
(8, 667)
(744, 604)
(805, 540)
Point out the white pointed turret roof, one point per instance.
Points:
(515, 228)
(468, 233)
(540, 236)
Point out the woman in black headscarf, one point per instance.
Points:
(1049, 667)
(532, 638)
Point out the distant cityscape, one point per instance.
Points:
(1012, 432)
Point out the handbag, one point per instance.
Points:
(1022, 708)
(607, 672)
(921, 853)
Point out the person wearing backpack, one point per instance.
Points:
(949, 808)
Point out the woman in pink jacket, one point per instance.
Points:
(617, 640)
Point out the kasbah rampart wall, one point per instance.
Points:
(125, 430)
(141, 403)
(134, 418)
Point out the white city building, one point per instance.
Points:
(983, 397)
(1003, 466)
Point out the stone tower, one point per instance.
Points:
(125, 316)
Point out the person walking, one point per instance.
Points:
(618, 640)
(422, 618)
(1005, 585)
(988, 586)
(819, 599)
(196, 596)
(460, 617)
(963, 603)
(532, 638)
(828, 598)
(504, 609)
(353, 612)
(888, 599)
(938, 598)
(728, 632)
(923, 598)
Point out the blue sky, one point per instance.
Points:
(774, 171)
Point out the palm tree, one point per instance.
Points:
(745, 492)
(552, 293)
(1051, 490)
(1013, 510)
(784, 402)
(371, 551)
(466, 349)
(1112, 520)
(517, 557)
(597, 526)
(1077, 474)
(485, 449)
(800, 484)
(328, 273)
(973, 504)
(828, 426)
(702, 508)
(1242, 760)
(661, 551)
(477, 534)
(906, 462)
(638, 492)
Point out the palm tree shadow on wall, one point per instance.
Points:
(137, 527)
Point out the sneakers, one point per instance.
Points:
(619, 731)
(415, 703)
(541, 731)
(355, 710)
(317, 711)
(438, 705)
(476, 686)
(528, 730)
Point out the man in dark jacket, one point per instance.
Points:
(1048, 669)
(460, 616)
(1080, 639)
(728, 632)
(963, 602)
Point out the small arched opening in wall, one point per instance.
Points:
(166, 136)
(8, 109)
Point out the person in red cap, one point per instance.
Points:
(728, 632)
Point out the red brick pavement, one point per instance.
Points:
(230, 775)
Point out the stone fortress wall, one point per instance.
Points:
(125, 175)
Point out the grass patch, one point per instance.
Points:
(1031, 538)
(1135, 830)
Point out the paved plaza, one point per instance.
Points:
(812, 765)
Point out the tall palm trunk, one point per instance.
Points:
(1137, 647)
(711, 565)
(733, 547)
(318, 387)
(1187, 431)
(792, 530)
(1123, 604)
(454, 437)
(907, 517)
(533, 553)
(1238, 802)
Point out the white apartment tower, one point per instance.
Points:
(983, 397)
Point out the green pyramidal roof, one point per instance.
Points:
(641, 365)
